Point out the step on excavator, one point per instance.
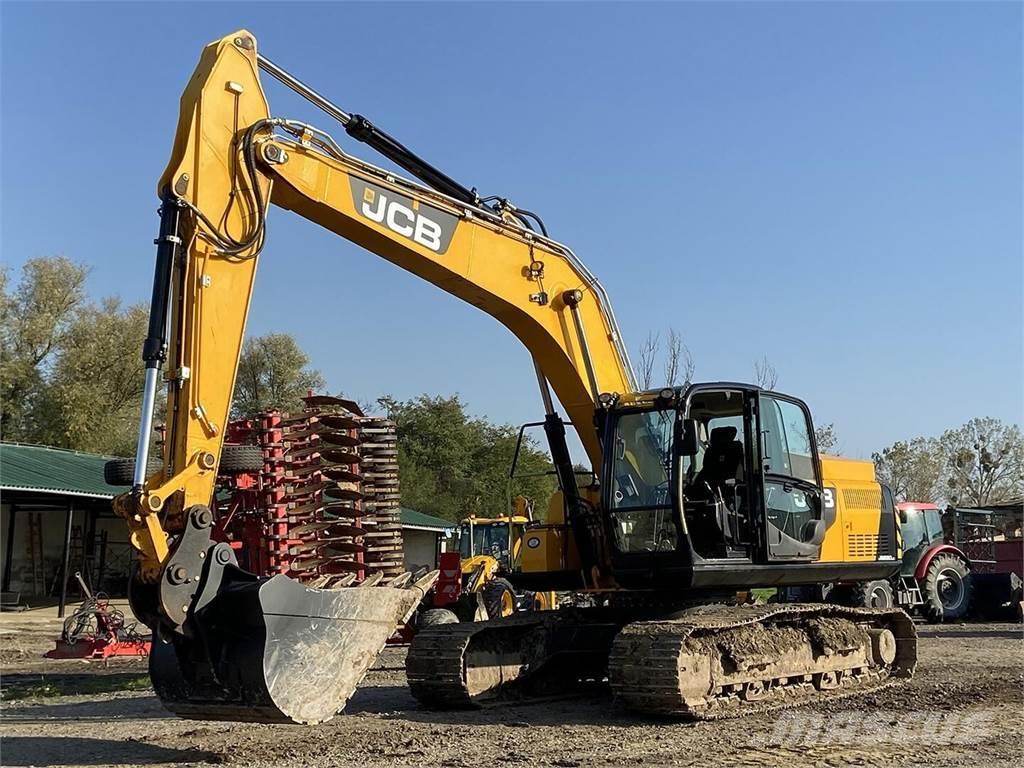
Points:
(697, 492)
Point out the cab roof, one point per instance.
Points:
(650, 395)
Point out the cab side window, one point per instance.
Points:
(793, 512)
(787, 440)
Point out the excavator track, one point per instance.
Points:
(718, 662)
(455, 666)
(434, 669)
(706, 662)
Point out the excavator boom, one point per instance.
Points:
(229, 163)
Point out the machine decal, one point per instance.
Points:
(424, 225)
(828, 506)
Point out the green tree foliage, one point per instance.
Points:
(984, 462)
(95, 391)
(912, 469)
(273, 373)
(978, 463)
(34, 320)
(825, 436)
(71, 370)
(453, 465)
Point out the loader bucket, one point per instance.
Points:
(273, 650)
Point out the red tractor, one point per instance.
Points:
(936, 576)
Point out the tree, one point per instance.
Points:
(648, 357)
(984, 462)
(92, 399)
(71, 370)
(913, 469)
(678, 364)
(34, 321)
(825, 436)
(453, 465)
(765, 375)
(272, 373)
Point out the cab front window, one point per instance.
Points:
(485, 539)
(640, 489)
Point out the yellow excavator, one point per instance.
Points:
(697, 491)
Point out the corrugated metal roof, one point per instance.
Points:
(40, 469)
(412, 519)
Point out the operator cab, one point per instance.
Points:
(921, 528)
(489, 537)
(705, 487)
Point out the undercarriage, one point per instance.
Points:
(703, 662)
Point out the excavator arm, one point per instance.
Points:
(231, 161)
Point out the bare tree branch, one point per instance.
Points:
(679, 365)
(765, 375)
(648, 357)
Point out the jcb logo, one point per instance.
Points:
(404, 216)
(404, 221)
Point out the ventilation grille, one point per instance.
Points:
(866, 545)
(862, 498)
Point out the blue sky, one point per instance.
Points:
(837, 186)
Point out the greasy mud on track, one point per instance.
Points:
(963, 707)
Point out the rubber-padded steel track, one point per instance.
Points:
(437, 665)
(708, 662)
(650, 660)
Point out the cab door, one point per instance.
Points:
(793, 500)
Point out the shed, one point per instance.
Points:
(55, 519)
(423, 538)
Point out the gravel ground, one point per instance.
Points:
(963, 707)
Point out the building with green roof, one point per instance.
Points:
(56, 519)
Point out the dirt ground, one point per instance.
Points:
(963, 707)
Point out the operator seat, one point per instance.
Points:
(722, 469)
(723, 459)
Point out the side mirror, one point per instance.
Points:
(686, 437)
(903, 516)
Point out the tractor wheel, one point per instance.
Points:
(241, 458)
(873, 594)
(122, 471)
(499, 598)
(947, 589)
(434, 617)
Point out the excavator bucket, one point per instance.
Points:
(273, 650)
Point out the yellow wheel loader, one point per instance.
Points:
(698, 491)
(489, 549)
(475, 582)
